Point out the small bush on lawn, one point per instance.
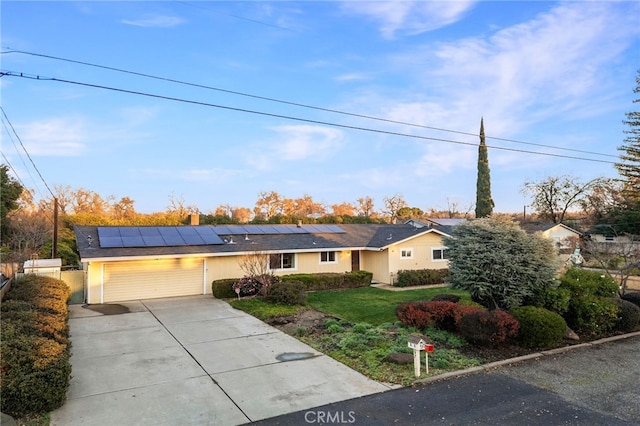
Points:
(414, 314)
(223, 289)
(633, 297)
(287, 293)
(628, 316)
(254, 285)
(407, 278)
(446, 297)
(539, 327)
(490, 328)
(35, 352)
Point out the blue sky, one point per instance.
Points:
(559, 74)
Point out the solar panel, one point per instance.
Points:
(108, 232)
(110, 241)
(208, 235)
(133, 241)
(171, 236)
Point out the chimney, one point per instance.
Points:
(194, 219)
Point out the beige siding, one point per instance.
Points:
(376, 262)
(150, 279)
(222, 267)
(309, 263)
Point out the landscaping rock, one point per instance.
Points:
(399, 358)
(571, 335)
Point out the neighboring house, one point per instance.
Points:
(606, 234)
(128, 263)
(563, 235)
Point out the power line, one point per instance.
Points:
(334, 111)
(26, 152)
(286, 117)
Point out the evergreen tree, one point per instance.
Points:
(10, 190)
(629, 166)
(484, 202)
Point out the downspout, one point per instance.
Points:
(102, 285)
(204, 276)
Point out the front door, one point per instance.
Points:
(355, 260)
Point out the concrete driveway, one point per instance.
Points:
(193, 361)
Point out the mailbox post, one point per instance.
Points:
(417, 342)
(427, 348)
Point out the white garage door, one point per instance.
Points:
(152, 278)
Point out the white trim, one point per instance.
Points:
(204, 276)
(88, 282)
(102, 285)
(404, 250)
(441, 249)
(325, 262)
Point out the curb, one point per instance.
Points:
(519, 359)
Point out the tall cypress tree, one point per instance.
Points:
(484, 202)
(629, 165)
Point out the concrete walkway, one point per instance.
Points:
(193, 361)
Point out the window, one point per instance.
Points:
(328, 257)
(282, 261)
(609, 238)
(406, 253)
(439, 254)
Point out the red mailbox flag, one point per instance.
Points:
(428, 347)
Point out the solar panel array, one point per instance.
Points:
(167, 236)
(277, 229)
(157, 236)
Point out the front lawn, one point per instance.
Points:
(369, 304)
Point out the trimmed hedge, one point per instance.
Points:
(287, 293)
(35, 348)
(539, 327)
(488, 328)
(441, 314)
(223, 289)
(408, 278)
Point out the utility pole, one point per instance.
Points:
(54, 255)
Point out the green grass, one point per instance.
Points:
(264, 310)
(369, 304)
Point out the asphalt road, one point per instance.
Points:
(594, 385)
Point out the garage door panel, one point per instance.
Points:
(151, 279)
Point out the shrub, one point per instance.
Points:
(254, 285)
(287, 293)
(446, 297)
(555, 299)
(407, 278)
(414, 314)
(628, 316)
(332, 281)
(583, 282)
(539, 327)
(633, 297)
(591, 314)
(488, 328)
(445, 315)
(35, 352)
(223, 289)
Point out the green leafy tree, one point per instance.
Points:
(10, 190)
(484, 202)
(498, 263)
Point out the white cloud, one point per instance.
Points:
(410, 17)
(155, 21)
(60, 137)
(296, 143)
(351, 77)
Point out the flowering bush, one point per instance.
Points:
(254, 285)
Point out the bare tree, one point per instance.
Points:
(393, 205)
(256, 266)
(554, 196)
(617, 258)
(365, 206)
